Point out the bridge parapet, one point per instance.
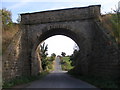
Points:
(61, 15)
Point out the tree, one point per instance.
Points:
(6, 17)
(43, 54)
(74, 57)
(63, 54)
(43, 50)
(53, 55)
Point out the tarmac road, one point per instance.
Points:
(59, 79)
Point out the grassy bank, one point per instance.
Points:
(7, 35)
(102, 83)
(112, 23)
(66, 63)
(24, 80)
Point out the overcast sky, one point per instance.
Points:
(28, 6)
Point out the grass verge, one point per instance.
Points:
(102, 83)
(23, 80)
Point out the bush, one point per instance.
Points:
(66, 63)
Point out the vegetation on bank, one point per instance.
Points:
(111, 22)
(23, 80)
(50, 60)
(66, 63)
(9, 29)
(97, 81)
(50, 65)
(47, 62)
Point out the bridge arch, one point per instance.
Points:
(59, 31)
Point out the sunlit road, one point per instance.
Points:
(59, 79)
(57, 67)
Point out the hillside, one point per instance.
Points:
(7, 35)
(112, 24)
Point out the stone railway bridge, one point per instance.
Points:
(98, 53)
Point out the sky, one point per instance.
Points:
(60, 43)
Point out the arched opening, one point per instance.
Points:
(52, 32)
(59, 31)
(57, 52)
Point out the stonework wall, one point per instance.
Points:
(61, 15)
(104, 57)
(11, 65)
(36, 66)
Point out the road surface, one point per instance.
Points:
(59, 79)
(57, 65)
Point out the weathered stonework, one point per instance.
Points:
(98, 54)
